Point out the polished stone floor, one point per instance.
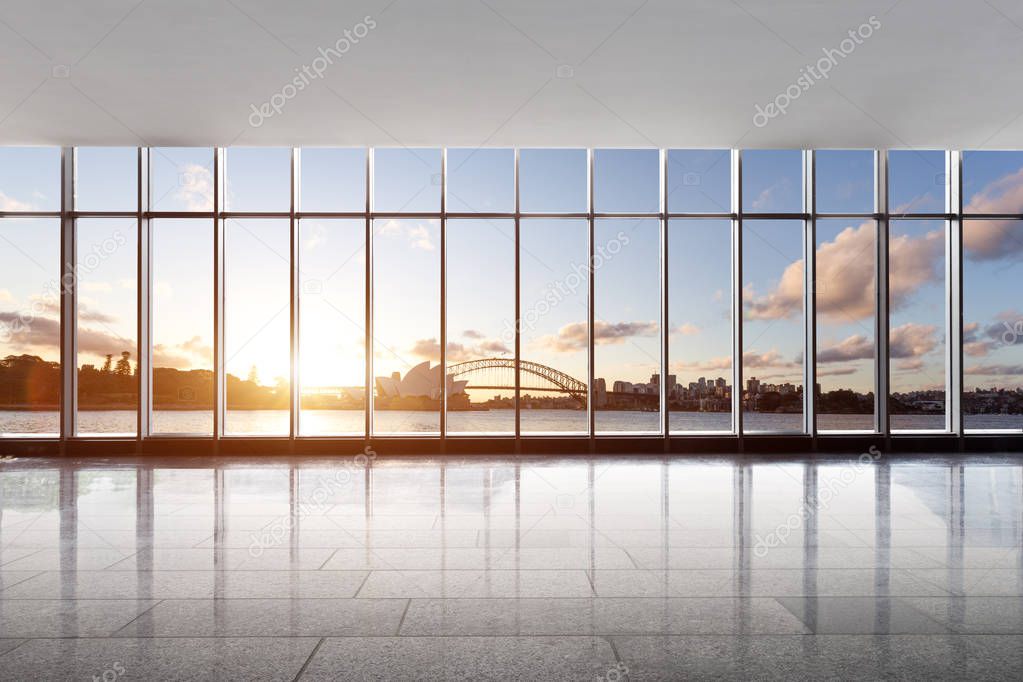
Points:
(480, 568)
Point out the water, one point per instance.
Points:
(351, 422)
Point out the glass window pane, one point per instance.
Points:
(554, 290)
(333, 327)
(699, 382)
(406, 180)
(772, 181)
(107, 326)
(626, 181)
(333, 179)
(257, 329)
(257, 179)
(182, 313)
(916, 181)
(182, 179)
(481, 326)
(992, 324)
(406, 326)
(846, 295)
(916, 290)
(993, 182)
(29, 179)
(29, 326)
(845, 180)
(627, 333)
(106, 178)
(699, 181)
(481, 180)
(553, 181)
(773, 325)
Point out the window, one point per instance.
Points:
(107, 326)
(917, 182)
(481, 180)
(106, 179)
(182, 179)
(992, 325)
(480, 310)
(844, 181)
(846, 295)
(30, 284)
(346, 269)
(406, 180)
(916, 336)
(257, 337)
(408, 381)
(182, 300)
(29, 179)
(332, 352)
(257, 179)
(772, 181)
(554, 322)
(553, 181)
(626, 181)
(627, 328)
(332, 179)
(699, 380)
(773, 325)
(699, 181)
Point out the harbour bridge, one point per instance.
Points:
(499, 374)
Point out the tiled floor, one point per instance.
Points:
(607, 568)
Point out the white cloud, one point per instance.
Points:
(11, 204)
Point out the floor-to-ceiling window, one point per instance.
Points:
(773, 291)
(321, 292)
(918, 301)
(30, 291)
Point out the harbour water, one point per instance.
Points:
(351, 422)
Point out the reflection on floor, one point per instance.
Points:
(606, 568)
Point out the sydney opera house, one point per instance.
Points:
(420, 382)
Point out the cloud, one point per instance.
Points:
(195, 187)
(573, 336)
(417, 234)
(856, 347)
(912, 340)
(995, 239)
(187, 355)
(770, 359)
(836, 372)
(472, 334)
(44, 332)
(686, 329)
(11, 204)
(6, 296)
(845, 276)
(429, 349)
(995, 370)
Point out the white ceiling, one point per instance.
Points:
(669, 73)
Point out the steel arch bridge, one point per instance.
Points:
(494, 373)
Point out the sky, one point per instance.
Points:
(480, 266)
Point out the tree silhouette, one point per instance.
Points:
(124, 365)
(107, 364)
